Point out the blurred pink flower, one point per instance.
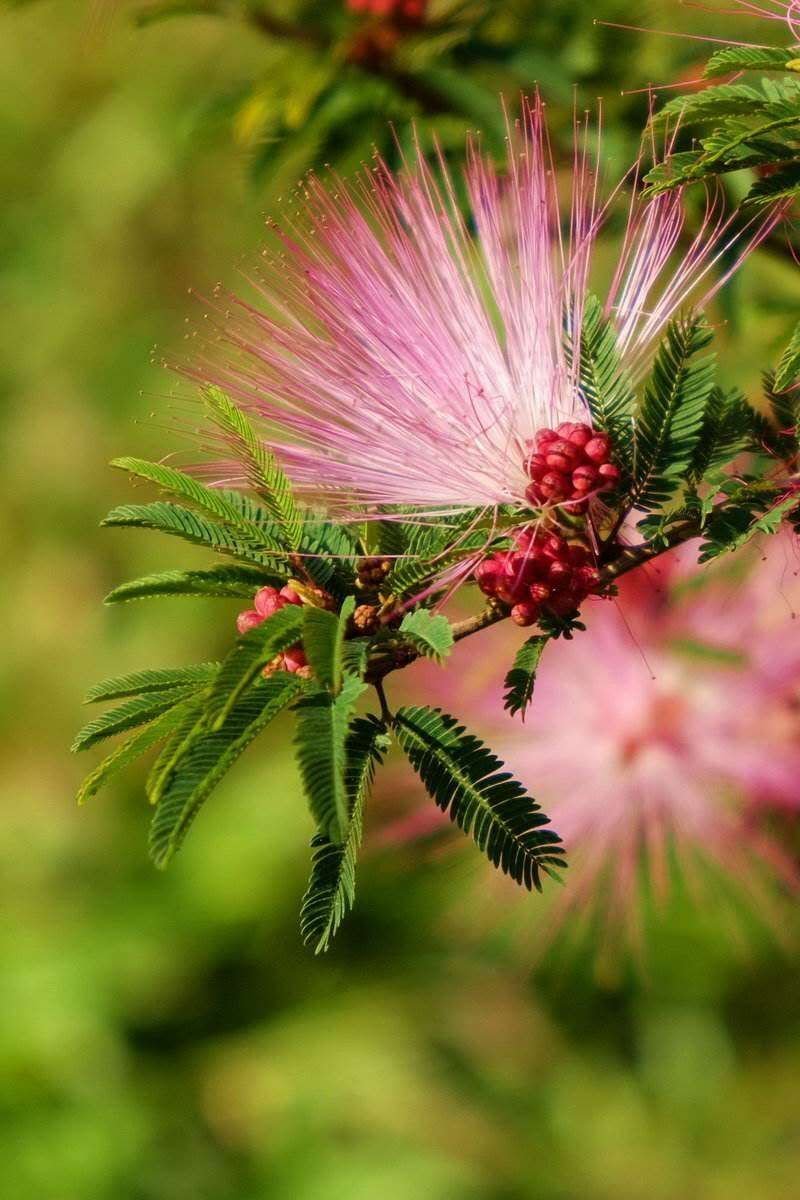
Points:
(395, 356)
(663, 735)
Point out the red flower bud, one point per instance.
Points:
(248, 620)
(597, 448)
(540, 593)
(581, 434)
(293, 659)
(583, 478)
(488, 575)
(609, 474)
(525, 614)
(290, 595)
(536, 466)
(267, 601)
(587, 578)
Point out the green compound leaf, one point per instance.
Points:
(604, 381)
(431, 636)
(139, 711)
(467, 782)
(521, 679)
(129, 751)
(264, 473)
(140, 682)
(323, 722)
(323, 642)
(208, 756)
(670, 420)
(190, 526)
(331, 888)
(749, 58)
(223, 582)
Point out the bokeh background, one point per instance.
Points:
(166, 1036)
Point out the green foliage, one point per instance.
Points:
(135, 712)
(431, 636)
(521, 679)
(252, 652)
(223, 582)
(323, 723)
(670, 419)
(141, 682)
(127, 753)
(180, 522)
(323, 641)
(749, 58)
(331, 888)
(605, 383)
(466, 781)
(208, 756)
(728, 430)
(753, 125)
(264, 473)
(750, 510)
(787, 372)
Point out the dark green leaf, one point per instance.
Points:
(222, 581)
(331, 888)
(323, 721)
(208, 756)
(431, 636)
(521, 679)
(467, 782)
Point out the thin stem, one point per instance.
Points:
(386, 713)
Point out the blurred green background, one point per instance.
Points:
(166, 1036)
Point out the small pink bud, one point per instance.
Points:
(525, 614)
(583, 478)
(609, 474)
(248, 620)
(290, 595)
(560, 575)
(521, 568)
(293, 659)
(543, 437)
(553, 485)
(267, 601)
(558, 462)
(540, 593)
(597, 449)
(553, 546)
(488, 575)
(587, 578)
(536, 466)
(581, 434)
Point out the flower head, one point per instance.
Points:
(400, 352)
(664, 735)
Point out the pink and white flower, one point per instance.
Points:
(666, 738)
(400, 352)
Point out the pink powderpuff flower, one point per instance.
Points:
(787, 11)
(661, 738)
(400, 352)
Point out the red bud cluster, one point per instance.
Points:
(269, 600)
(569, 465)
(545, 574)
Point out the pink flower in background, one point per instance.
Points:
(787, 11)
(401, 353)
(664, 734)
